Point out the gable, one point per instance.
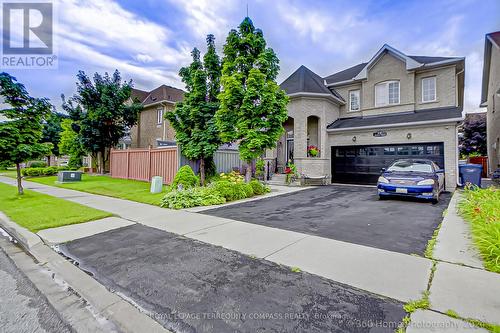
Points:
(388, 66)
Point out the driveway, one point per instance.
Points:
(190, 286)
(346, 213)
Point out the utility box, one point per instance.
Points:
(156, 184)
(69, 176)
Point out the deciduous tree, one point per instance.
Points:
(21, 133)
(193, 118)
(52, 132)
(473, 135)
(252, 105)
(101, 110)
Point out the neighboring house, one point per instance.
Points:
(152, 129)
(490, 97)
(364, 117)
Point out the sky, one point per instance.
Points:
(148, 41)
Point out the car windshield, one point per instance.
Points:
(411, 166)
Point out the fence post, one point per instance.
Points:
(110, 162)
(128, 163)
(149, 163)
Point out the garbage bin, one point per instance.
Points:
(470, 173)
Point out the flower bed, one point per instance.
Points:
(224, 188)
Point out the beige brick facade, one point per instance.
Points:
(148, 130)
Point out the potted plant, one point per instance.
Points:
(312, 151)
(291, 172)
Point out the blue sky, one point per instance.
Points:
(150, 40)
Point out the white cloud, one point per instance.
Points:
(104, 36)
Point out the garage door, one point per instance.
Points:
(362, 164)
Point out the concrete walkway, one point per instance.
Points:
(395, 275)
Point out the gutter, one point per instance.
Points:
(417, 123)
(303, 94)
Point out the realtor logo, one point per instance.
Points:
(27, 35)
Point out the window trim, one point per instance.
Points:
(422, 88)
(386, 84)
(159, 116)
(359, 100)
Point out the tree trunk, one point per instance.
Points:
(20, 189)
(248, 173)
(202, 171)
(48, 160)
(100, 161)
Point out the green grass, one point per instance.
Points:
(429, 250)
(481, 207)
(8, 173)
(113, 187)
(36, 211)
(490, 327)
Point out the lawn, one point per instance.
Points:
(36, 211)
(481, 207)
(113, 187)
(8, 173)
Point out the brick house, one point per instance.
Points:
(490, 97)
(152, 130)
(365, 117)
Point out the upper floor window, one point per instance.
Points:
(354, 100)
(387, 93)
(429, 89)
(159, 116)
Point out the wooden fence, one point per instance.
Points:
(142, 164)
(483, 161)
(225, 161)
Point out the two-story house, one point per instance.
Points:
(362, 118)
(152, 129)
(490, 97)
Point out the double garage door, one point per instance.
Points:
(362, 164)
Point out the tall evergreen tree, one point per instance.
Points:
(21, 133)
(252, 105)
(193, 118)
(101, 112)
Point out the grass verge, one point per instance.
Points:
(490, 327)
(112, 187)
(36, 211)
(8, 173)
(481, 207)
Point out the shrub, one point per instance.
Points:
(38, 164)
(481, 207)
(258, 187)
(36, 172)
(230, 191)
(185, 177)
(233, 177)
(192, 197)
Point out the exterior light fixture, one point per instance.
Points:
(408, 136)
(354, 139)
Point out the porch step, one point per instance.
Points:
(278, 179)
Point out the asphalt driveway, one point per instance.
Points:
(347, 213)
(190, 286)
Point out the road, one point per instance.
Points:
(22, 307)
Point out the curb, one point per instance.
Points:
(111, 306)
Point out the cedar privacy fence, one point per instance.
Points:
(142, 164)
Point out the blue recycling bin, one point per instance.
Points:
(470, 173)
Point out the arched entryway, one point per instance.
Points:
(286, 145)
(313, 134)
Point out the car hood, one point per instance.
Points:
(407, 177)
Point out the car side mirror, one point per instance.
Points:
(440, 171)
(382, 170)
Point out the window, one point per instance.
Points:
(354, 100)
(429, 89)
(387, 93)
(159, 116)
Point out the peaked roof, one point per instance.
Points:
(163, 93)
(491, 41)
(305, 81)
(360, 71)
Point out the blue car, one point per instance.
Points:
(418, 178)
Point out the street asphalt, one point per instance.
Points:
(346, 213)
(190, 286)
(22, 307)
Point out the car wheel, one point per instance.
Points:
(382, 197)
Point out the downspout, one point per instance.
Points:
(164, 137)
